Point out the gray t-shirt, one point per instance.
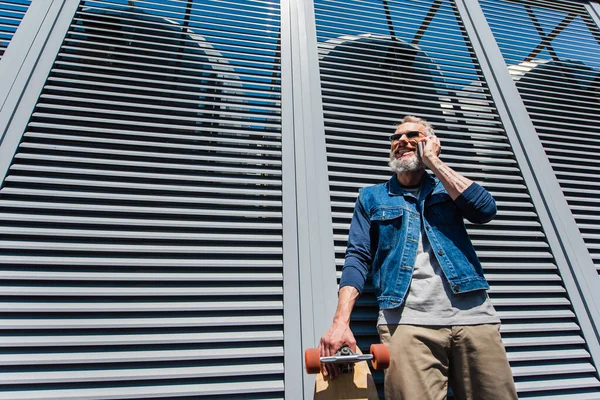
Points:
(431, 302)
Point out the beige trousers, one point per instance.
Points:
(424, 359)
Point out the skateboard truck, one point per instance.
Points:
(345, 358)
(347, 366)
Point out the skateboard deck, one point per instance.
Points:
(358, 384)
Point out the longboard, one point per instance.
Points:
(356, 383)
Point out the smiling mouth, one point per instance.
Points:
(404, 154)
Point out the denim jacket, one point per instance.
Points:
(384, 235)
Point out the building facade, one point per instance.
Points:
(177, 179)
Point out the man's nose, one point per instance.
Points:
(403, 140)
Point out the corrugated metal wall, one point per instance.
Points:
(142, 216)
(381, 60)
(141, 219)
(552, 50)
(11, 14)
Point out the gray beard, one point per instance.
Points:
(413, 164)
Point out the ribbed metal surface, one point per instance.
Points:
(11, 14)
(381, 60)
(141, 219)
(556, 67)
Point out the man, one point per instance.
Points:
(435, 316)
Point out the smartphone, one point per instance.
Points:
(420, 148)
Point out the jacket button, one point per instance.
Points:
(456, 288)
(441, 252)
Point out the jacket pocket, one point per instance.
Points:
(441, 210)
(388, 222)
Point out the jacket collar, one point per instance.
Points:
(428, 183)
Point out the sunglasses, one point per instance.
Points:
(409, 135)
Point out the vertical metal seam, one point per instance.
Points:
(570, 252)
(593, 8)
(19, 55)
(323, 261)
(318, 284)
(32, 76)
(292, 316)
(305, 294)
(22, 41)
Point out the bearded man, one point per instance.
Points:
(435, 316)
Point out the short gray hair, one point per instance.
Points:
(417, 120)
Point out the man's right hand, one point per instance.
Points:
(338, 335)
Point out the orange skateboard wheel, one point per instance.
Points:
(381, 356)
(312, 359)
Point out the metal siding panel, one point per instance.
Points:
(141, 218)
(561, 83)
(376, 56)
